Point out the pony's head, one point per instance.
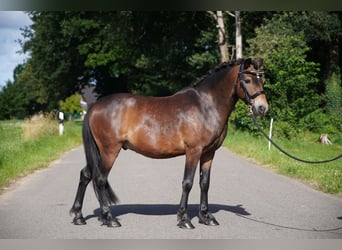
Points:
(250, 86)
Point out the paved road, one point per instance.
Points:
(247, 200)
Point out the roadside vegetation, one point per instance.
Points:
(325, 177)
(28, 145)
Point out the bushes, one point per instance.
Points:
(319, 122)
(292, 87)
(329, 120)
(334, 97)
(71, 104)
(284, 130)
(316, 122)
(241, 119)
(291, 80)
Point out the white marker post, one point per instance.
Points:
(270, 134)
(60, 121)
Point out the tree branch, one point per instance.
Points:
(230, 13)
(212, 13)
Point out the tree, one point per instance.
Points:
(23, 97)
(71, 104)
(158, 53)
(238, 35)
(54, 59)
(11, 102)
(323, 31)
(292, 79)
(165, 49)
(143, 52)
(222, 35)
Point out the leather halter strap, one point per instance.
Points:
(249, 97)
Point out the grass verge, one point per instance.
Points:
(29, 145)
(26, 146)
(325, 177)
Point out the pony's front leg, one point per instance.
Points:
(205, 216)
(188, 179)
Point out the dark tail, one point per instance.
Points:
(105, 195)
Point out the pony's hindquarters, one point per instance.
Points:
(93, 171)
(94, 164)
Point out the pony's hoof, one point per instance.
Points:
(79, 221)
(110, 222)
(185, 224)
(114, 223)
(208, 220)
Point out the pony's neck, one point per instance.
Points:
(220, 91)
(227, 89)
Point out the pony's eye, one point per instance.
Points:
(247, 81)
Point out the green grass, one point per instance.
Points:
(21, 154)
(325, 177)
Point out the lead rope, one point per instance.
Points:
(286, 153)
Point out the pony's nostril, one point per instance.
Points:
(262, 109)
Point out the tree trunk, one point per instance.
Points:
(222, 37)
(238, 35)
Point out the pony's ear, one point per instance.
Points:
(247, 62)
(258, 63)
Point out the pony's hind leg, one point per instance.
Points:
(103, 190)
(106, 197)
(85, 177)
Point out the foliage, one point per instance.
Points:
(54, 59)
(12, 103)
(318, 25)
(291, 79)
(334, 94)
(23, 97)
(71, 104)
(323, 33)
(320, 122)
(241, 119)
(207, 53)
(120, 51)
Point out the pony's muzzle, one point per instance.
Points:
(260, 107)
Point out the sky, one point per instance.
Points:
(10, 24)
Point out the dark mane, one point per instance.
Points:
(215, 72)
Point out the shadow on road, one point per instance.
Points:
(171, 209)
(166, 209)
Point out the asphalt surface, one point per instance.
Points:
(248, 201)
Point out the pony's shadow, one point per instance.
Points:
(166, 209)
(193, 209)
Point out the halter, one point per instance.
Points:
(249, 97)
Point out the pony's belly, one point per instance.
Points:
(155, 146)
(152, 152)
